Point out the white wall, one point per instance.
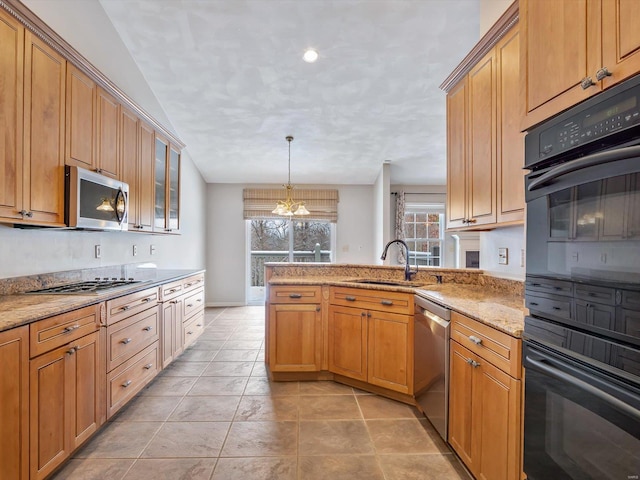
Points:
(490, 11)
(381, 210)
(513, 239)
(23, 252)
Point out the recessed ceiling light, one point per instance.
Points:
(310, 55)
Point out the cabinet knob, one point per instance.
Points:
(318, 308)
(148, 366)
(72, 350)
(586, 83)
(125, 341)
(603, 73)
(475, 339)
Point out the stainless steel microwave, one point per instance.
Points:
(94, 201)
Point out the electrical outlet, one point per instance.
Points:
(152, 249)
(503, 256)
(135, 250)
(522, 257)
(98, 251)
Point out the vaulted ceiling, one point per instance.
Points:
(230, 76)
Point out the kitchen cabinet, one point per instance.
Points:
(295, 329)
(80, 119)
(66, 387)
(108, 134)
(485, 148)
(485, 399)
(371, 337)
(172, 341)
(167, 187)
(603, 42)
(14, 408)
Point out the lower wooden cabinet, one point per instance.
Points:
(295, 340)
(485, 410)
(14, 407)
(172, 341)
(348, 342)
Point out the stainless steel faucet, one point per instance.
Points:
(407, 268)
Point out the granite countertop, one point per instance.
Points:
(501, 310)
(23, 308)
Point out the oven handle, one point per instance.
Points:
(584, 162)
(581, 384)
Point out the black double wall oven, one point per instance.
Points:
(582, 337)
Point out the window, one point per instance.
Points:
(424, 234)
(284, 240)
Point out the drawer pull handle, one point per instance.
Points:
(318, 308)
(148, 366)
(173, 290)
(148, 329)
(473, 363)
(386, 302)
(557, 288)
(126, 384)
(146, 300)
(535, 284)
(189, 305)
(199, 300)
(533, 303)
(295, 295)
(125, 307)
(71, 328)
(188, 285)
(349, 298)
(556, 308)
(72, 350)
(198, 324)
(475, 339)
(189, 333)
(125, 341)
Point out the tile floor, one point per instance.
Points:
(213, 415)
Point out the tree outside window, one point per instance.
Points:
(424, 234)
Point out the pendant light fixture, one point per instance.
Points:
(289, 207)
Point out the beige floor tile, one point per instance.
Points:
(262, 386)
(146, 408)
(219, 386)
(191, 355)
(261, 439)
(94, 469)
(403, 436)
(374, 406)
(340, 467)
(329, 407)
(259, 408)
(172, 469)
(324, 388)
(330, 437)
(259, 369)
(184, 369)
(215, 335)
(228, 369)
(120, 440)
(256, 468)
(422, 467)
(218, 408)
(236, 356)
(187, 439)
(169, 386)
(242, 345)
(202, 344)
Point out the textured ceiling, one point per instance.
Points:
(230, 76)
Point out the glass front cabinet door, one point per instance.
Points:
(167, 187)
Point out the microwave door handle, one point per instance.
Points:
(124, 199)
(584, 162)
(582, 385)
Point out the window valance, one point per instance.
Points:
(322, 203)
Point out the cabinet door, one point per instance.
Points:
(461, 402)
(129, 163)
(620, 39)
(481, 162)
(160, 186)
(510, 140)
(390, 354)
(295, 338)
(81, 121)
(561, 46)
(44, 113)
(11, 79)
(348, 342)
(496, 431)
(146, 178)
(173, 193)
(14, 407)
(171, 331)
(108, 119)
(457, 155)
(89, 383)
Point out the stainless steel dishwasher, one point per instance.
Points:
(431, 362)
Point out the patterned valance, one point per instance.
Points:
(259, 203)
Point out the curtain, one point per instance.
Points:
(322, 204)
(399, 227)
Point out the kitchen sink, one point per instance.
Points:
(393, 283)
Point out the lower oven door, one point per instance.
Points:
(580, 423)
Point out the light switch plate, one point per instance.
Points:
(98, 251)
(503, 256)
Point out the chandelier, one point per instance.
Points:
(289, 207)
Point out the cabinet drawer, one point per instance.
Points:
(123, 307)
(129, 336)
(192, 328)
(295, 294)
(551, 305)
(591, 293)
(546, 285)
(192, 282)
(379, 300)
(502, 350)
(170, 291)
(50, 333)
(192, 303)
(130, 377)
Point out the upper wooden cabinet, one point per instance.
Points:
(485, 148)
(574, 49)
(81, 121)
(167, 187)
(108, 134)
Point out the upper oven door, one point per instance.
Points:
(583, 219)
